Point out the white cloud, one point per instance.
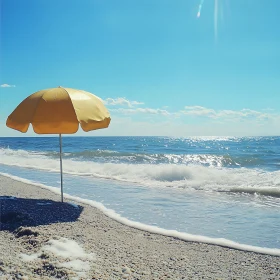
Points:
(268, 109)
(197, 111)
(7, 85)
(142, 110)
(121, 101)
(228, 114)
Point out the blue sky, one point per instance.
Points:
(159, 69)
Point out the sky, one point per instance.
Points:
(159, 68)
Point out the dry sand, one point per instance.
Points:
(41, 238)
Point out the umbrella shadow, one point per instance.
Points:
(23, 212)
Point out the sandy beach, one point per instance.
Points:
(41, 238)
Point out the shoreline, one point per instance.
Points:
(219, 241)
(119, 251)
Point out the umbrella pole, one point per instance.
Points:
(61, 172)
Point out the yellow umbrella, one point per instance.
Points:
(59, 111)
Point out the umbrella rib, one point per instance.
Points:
(35, 111)
(72, 105)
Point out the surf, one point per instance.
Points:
(181, 176)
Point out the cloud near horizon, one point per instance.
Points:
(194, 111)
(141, 110)
(121, 101)
(243, 114)
(7, 86)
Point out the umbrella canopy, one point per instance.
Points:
(59, 111)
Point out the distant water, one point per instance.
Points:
(224, 187)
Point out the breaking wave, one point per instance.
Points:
(213, 178)
(143, 158)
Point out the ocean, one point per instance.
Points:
(217, 187)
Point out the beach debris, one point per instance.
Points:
(33, 242)
(2, 270)
(21, 231)
(44, 256)
(49, 269)
(126, 272)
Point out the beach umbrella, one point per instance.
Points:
(59, 111)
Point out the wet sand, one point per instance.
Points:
(41, 238)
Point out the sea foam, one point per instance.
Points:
(191, 176)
